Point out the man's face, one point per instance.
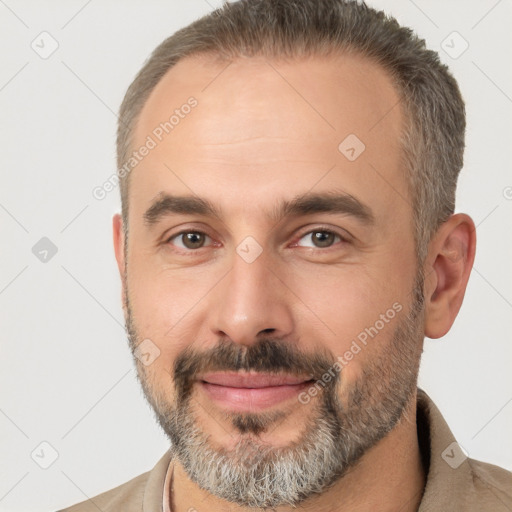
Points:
(320, 287)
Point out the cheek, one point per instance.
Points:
(162, 297)
(349, 312)
(166, 309)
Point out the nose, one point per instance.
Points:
(251, 301)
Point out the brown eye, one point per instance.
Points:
(323, 238)
(189, 240)
(319, 239)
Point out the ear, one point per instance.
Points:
(447, 269)
(118, 236)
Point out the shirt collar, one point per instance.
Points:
(154, 491)
(166, 498)
(449, 474)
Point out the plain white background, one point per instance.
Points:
(66, 375)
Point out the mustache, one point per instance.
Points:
(269, 355)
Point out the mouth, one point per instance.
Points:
(251, 391)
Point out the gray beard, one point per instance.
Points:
(256, 474)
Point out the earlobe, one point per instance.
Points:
(449, 263)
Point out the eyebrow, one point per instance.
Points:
(306, 204)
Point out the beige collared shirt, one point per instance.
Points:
(454, 482)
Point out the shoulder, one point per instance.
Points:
(455, 481)
(144, 492)
(126, 497)
(492, 486)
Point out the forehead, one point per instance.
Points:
(271, 128)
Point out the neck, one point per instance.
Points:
(389, 477)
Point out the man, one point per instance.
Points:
(288, 172)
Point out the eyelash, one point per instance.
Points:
(321, 229)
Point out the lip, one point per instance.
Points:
(251, 392)
(252, 380)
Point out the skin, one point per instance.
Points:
(263, 132)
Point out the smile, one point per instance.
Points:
(251, 392)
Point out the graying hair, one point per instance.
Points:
(433, 133)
